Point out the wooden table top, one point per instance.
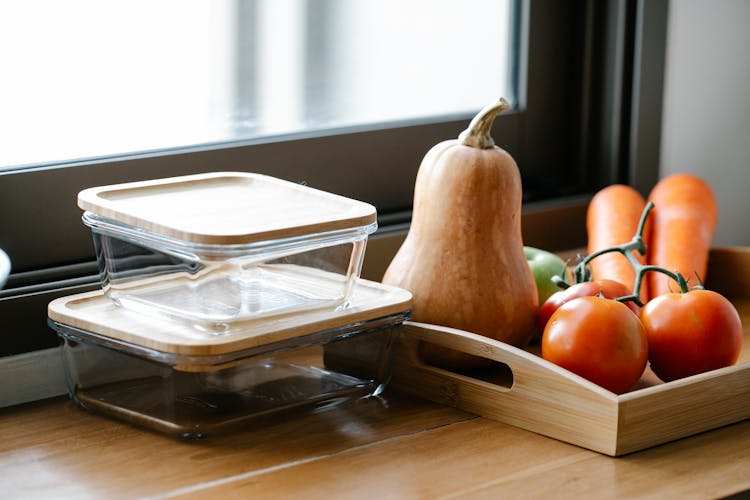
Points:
(389, 447)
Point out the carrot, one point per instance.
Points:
(612, 219)
(684, 222)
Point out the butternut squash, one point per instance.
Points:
(463, 257)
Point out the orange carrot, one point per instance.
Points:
(684, 222)
(612, 218)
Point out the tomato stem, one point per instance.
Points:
(582, 271)
(560, 282)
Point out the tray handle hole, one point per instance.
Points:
(482, 368)
(498, 374)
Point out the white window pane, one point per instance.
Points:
(403, 59)
(90, 78)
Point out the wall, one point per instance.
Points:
(706, 121)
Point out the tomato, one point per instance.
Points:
(599, 339)
(690, 333)
(610, 289)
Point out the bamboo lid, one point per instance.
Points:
(93, 312)
(225, 208)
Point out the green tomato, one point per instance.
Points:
(544, 265)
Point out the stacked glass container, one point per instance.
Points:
(225, 297)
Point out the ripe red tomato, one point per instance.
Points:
(599, 339)
(690, 333)
(609, 289)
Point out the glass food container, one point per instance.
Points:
(220, 248)
(149, 372)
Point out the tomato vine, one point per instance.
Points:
(582, 270)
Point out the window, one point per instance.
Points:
(117, 78)
(345, 95)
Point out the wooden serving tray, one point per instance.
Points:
(524, 390)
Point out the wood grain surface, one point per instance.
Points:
(393, 447)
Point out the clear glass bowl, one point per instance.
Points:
(4, 267)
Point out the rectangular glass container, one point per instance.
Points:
(216, 249)
(121, 364)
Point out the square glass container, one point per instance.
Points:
(220, 248)
(142, 370)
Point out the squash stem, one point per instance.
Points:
(477, 135)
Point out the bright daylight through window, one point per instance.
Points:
(87, 79)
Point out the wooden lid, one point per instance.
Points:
(92, 312)
(226, 208)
